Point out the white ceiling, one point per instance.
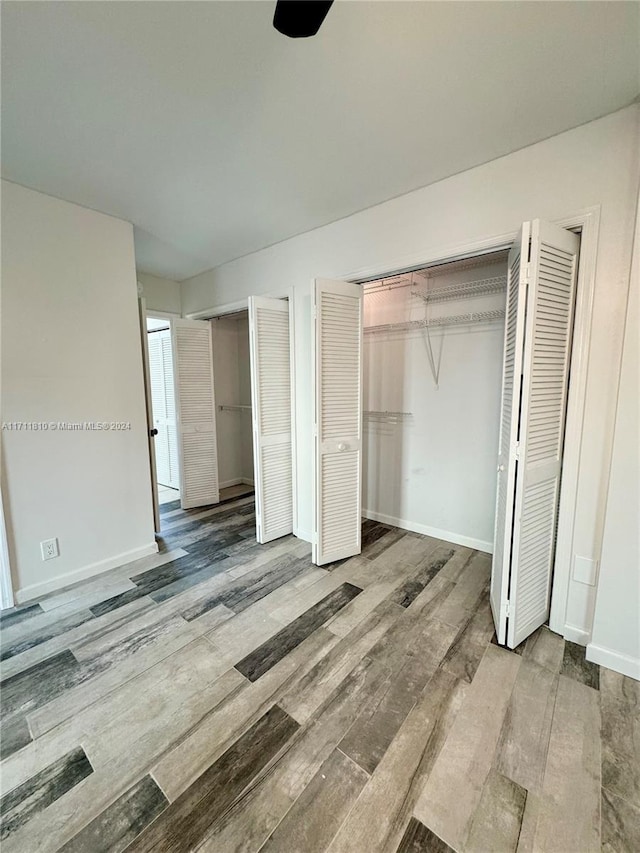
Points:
(217, 136)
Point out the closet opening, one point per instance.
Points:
(432, 366)
(232, 383)
(441, 404)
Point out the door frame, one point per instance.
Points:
(586, 222)
(241, 305)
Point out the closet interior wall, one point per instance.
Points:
(232, 380)
(432, 399)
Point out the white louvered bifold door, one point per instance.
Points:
(509, 419)
(271, 414)
(337, 420)
(550, 274)
(195, 409)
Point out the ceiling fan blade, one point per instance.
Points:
(300, 18)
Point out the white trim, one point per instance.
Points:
(574, 634)
(426, 530)
(292, 380)
(589, 221)
(616, 661)
(236, 481)
(6, 586)
(37, 590)
(161, 315)
(232, 307)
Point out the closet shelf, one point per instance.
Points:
(234, 408)
(471, 318)
(468, 289)
(390, 417)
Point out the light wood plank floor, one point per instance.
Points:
(227, 696)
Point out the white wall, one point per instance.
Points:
(616, 627)
(160, 294)
(434, 472)
(71, 352)
(595, 164)
(232, 387)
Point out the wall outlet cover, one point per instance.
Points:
(49, 549)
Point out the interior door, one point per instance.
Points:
(271, 415)
(195, 410)
(142, 319)
(337, 398)
(509, 421)
(523, 561)
(164, 409)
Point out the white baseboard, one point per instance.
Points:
(236, 481)
(37, 590)
(414, 527)
(616, 661)
(575, 634)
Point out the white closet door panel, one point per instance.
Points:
(195, 408)
(269, 338)
(549, 322)
(170, 409)
(511, 382)
(338, 420)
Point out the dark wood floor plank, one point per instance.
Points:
(22, 803)
(407, 593)
(14, 734)
(240, 593)
(620, 824)
(265, 656)
(576, 666)
(54, 629)
(380, 816)
(498, 819)
(419, 839)
(372, 733)
(466, 651)
(314, 688)
(320, 810)
(184, 824)
(13, 615)
(257, 813)
(620, 709)
(40, 683)
(121, 822)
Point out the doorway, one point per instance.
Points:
(163, 405)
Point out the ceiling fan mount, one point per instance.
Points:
(300, 18)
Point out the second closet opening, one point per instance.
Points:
(232, 382)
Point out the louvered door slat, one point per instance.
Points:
(553, 273)
(511, 381)
(195, 409)
(271, 414)
(338, 420)
(533, 416)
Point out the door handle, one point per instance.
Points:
(342, 446)
(153, 432)
(500, 467)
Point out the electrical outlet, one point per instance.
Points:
(49, 549)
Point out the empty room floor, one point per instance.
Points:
(225, 696)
